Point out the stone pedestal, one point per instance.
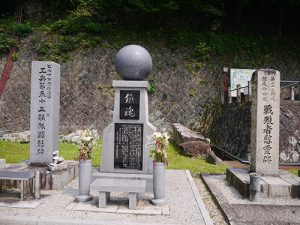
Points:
(265, 122)
(44, 111)
(126, 139)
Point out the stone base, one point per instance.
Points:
(285, 185)
(83, 198)
(2, 163)
(159, 202)
(49, 180)
(131, 176)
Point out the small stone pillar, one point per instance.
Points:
(265, 112)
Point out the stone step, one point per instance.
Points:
(285, 185)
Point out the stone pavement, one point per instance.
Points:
(185, 206)
(240, 211)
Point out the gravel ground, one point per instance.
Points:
(209, 202)
(183, 206)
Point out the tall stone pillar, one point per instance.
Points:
(265, 112)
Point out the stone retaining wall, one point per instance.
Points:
(231, 130)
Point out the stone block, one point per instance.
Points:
(277, 187)
(294, 181)
(182, 134)
(195, 148)
(132, 200)
(2, 163)
(240, 179)
(129, 176)
(118, 185)
(103, 199)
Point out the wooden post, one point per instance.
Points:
(292, 93)
(238, 93)
(229, 95)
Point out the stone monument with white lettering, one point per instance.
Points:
(265, 122)
(126, 140)
(44, 111)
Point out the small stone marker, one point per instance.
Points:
(44, 111)
(265, 122)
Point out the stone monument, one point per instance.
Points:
(265, 122)
(126, 140)
(44, 111)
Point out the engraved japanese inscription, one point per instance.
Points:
(129, 104)
(128, 146)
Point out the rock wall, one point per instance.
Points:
(231, 130)
(87, 95)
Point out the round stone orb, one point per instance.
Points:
(133, 62)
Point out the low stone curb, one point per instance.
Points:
(11, 220)
(205, 215)
(219, 200)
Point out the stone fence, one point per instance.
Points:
(290, 90)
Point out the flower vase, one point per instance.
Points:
(159, 183)
(85, 173)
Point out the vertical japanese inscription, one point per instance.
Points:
(44, 118)
(268, 99)
(128, 146)
(129, 104)
(44, 78)
(265, 122)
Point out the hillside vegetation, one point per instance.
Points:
(190, 42)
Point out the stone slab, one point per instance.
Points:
(93, 206)
(294, 181)
(131, 84)
(2, 163)
(118, 185)
(277, 187)
(27, 204)
(129, 176)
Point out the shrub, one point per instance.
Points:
(6, 42)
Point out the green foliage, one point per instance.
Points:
(151, 80)
(106, 89)
(192, 93)
(14, 56)
(202, 52)
(23, 29)
(6, 42)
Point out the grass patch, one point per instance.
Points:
(293, 171)
(195, 165)
(15, 153)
